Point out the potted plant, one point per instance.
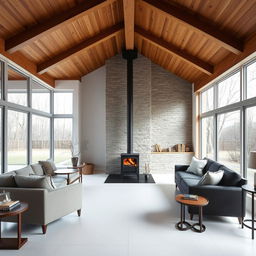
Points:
(75, 155)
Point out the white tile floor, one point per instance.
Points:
(132, 220)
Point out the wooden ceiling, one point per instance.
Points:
(67, 39)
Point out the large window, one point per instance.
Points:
(37, 120)
(229, 139)
(207, 137)
(229, 90)
(62, 140)
(251, 141)
(229, 126)
(17, 87)
(40, 97)
(17, 139)
(40, 138)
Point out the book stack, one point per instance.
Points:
(190, 197)
(8, 206)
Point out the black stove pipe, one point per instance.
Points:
(129, 55)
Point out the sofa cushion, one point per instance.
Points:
(34, 181)
(59, 180)
(37, 168)
(230, 178)
(211, 166)
(211, 178)
(26, 171)
(191, 182)
(48, 167)
(187, 175)
(7, 181)
(197, 166)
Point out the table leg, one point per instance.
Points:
(243, 198)
(201, 218)
(81, 175)
(252, 215)
(68, 180)
(0, 230)
(19, 230)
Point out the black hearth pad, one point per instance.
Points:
(117, 178)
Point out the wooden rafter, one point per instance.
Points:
(25, 63)
(18, 41)
(230, 61)
(199, 23)
(197, 63)
(129, 7)
(102, 36)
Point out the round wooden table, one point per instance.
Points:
(14, 243)
(68, 172)
(183, 224)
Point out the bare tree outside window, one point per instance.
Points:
(251, 80)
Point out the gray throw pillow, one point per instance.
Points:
(26, 171)
(211, 178)
(37, 168)
(197, 166)
(7, 181)
(34, 181)
(48, 167)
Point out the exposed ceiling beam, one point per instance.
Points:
(197, 63)
(129, 7)
(90, 42)
(18, 41)
(199, 23)
(230, 61)
(25, 63)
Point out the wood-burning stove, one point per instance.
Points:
(130, 160)
(130, 164)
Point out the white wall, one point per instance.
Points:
(93, 118)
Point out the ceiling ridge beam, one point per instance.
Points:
(88, 43)
(200, 24)
(194, 61)
(18, 41)
(129, 13)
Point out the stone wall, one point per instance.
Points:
(162, 114)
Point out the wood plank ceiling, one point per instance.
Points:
(67, 39)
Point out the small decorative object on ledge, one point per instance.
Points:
(146, 171)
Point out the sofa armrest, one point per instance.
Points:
(242, 182)
(180, 168)
(35, 198)
(223, 200)
(63, 201)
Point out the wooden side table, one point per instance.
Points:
(80, 168)
(249, 189)
(14, 243)
(68, 172)
(200, 203)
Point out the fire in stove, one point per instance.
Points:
(130, 162)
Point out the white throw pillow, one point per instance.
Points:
(211, 178)
(197, 166)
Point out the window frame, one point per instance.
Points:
(5, 105)
(241, 105)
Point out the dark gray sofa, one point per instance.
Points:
(225, 199)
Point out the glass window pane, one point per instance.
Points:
(229, 90)
(207, 100)
(229, 139)
(62, 140)
(17, 139)
(251, 80)
(1, 140)
(40, 138)
(63, 103)
(17, 87)
(251, 142)
(40, 97)
(1, 82)
(207, 138)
